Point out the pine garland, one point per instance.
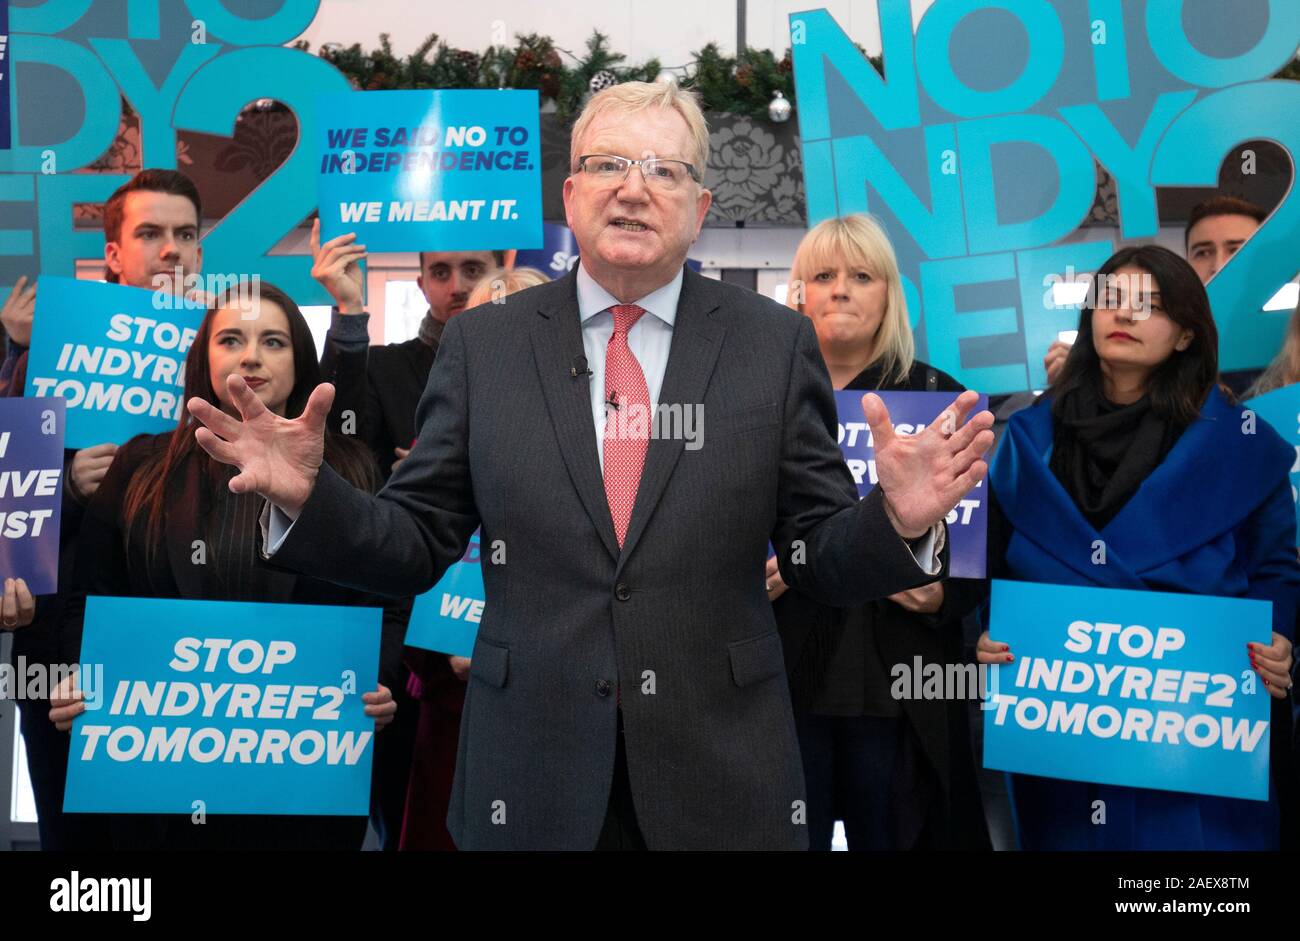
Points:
(740, 85)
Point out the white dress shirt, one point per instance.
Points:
(649, 340)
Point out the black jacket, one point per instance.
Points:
(382, 385)
(941, 808)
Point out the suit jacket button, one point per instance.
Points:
(603, 687)
(622, 592)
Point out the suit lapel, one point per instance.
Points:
(557, 340)
(697, 337)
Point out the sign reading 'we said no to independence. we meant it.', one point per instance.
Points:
(978, 149)
(453, 170)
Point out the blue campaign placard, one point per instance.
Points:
(446, 617)
(450, 170)
(910, 412)
(31, 491)
(1281, 409)
(1140, 688)
(115, 353)
(249, 708)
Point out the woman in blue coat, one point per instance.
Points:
(1135, 446)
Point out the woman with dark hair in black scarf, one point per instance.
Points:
(1135, 448)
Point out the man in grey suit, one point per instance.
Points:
(627, 687)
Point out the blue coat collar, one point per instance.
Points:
(1214, 477)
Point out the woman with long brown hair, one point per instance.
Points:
(163, 492)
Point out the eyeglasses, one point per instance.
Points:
(658, 172)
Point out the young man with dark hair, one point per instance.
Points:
(1216, 230)
(151, 226)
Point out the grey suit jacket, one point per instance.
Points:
(677, 626)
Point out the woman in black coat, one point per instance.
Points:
(163, 494)
(897, 771)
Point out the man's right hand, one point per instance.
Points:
(278, 458)
(89, 465)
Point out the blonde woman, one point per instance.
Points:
(899, 773)
(501, 282)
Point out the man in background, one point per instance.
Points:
(382, 385)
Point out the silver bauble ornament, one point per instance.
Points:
(779, 108)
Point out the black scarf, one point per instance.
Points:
(1102, 452)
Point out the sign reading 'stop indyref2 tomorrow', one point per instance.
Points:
(977, 151)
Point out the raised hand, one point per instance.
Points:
(16, 314)
(923, 476)
(337, 266)
(277, 457)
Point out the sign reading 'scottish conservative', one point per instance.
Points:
(225, 706)
(31, 491)
(910, 413)
(430, 170)
(1140, 688)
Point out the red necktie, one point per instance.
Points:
(627, 420)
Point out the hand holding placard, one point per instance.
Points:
(16, 315)
(89, 465)
(19, 607)
(381, 706)
(66, 703)
(1273, 664)
(337, 266)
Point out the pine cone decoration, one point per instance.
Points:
(744, 75)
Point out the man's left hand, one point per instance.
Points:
(923, 476)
